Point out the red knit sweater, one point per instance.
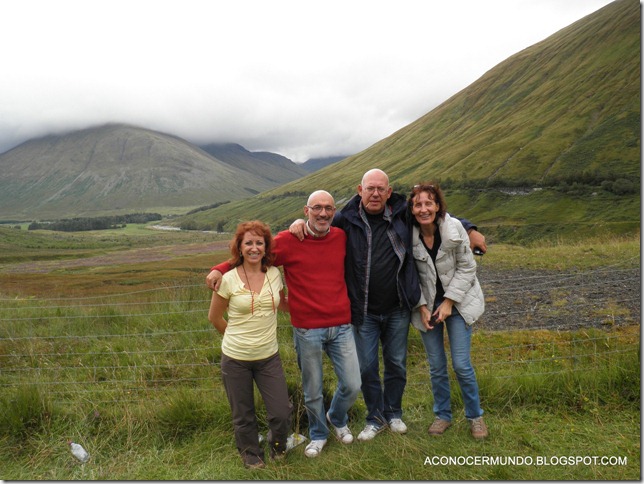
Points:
(314, 273)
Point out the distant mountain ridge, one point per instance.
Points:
(272, 165)
(315, 164)
(118, 168)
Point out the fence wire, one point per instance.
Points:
(135, 345)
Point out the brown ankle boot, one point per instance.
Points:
(438, 427)
(478, 428)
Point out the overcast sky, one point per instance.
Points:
(303, 78)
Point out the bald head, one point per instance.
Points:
(374, 190)
(375, 174)
(319, 194)
(319, 211)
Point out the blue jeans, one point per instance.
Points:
(460, 338)
(337, 342)
(383, 400)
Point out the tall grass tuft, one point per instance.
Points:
(182, 415)
(24, 412)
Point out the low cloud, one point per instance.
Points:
(303, 79)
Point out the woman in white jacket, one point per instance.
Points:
(447, 273)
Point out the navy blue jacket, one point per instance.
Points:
(357, 259)
(358, 251)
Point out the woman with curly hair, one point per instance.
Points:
(251, 293)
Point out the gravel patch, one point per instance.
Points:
(520, 299)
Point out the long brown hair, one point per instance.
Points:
(435, 192)
(258, 228)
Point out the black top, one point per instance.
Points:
(440, 292)
(383, 292)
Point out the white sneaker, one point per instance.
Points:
(343, 434)
(314, 448)
(398, 426)
(369, 432)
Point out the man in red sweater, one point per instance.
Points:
(321, 317)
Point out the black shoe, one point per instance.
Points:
(277, 451)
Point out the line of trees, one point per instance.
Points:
(80, 224)
(613, 183)
(207, 207)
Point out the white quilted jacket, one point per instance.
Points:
(456, 268)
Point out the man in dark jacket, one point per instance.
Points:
(383, 287)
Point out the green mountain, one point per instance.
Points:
(124, 169)
(544, 144)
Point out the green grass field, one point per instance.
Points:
(118, 355)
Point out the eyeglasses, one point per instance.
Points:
(380, 190)
(318, 208)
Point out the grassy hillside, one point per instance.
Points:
(562, 116)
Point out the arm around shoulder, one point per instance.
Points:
(297, 228)
(477, 239)
(213, 279)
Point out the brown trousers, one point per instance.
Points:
(238, 377)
